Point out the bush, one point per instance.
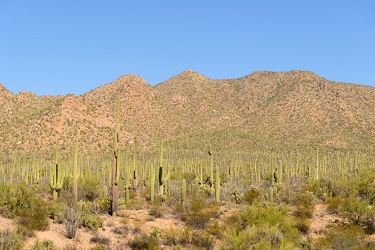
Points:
(156, 211)
(35, 217)
(18, 200)
(251, 195)
(349, 236)
(200, 213)
(262, 228)
(11, 240)
(90, 188)
(305, 205)
(92, 222)
(14, 198)
(56, 212)
(43, 245)
(143, 241)
(101, 240)
(71, 222)
(356, 210)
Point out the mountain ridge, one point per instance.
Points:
(283, 108)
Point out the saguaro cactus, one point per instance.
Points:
(271, 195)
(115, 165)
(211, 163)
(152, 184)
(217, 184)
(161, 180)
(56, 176)
(183, 194)
(75, 173)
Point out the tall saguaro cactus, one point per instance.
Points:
(183, 194)
(211, 164)
(56, 176)
(75, 172)
(116, 160)
(161, 181)
(217, 184)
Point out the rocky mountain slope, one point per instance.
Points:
(263, 109)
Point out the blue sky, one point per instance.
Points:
(71, 47)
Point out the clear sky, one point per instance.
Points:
(71, 47)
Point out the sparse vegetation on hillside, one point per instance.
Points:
(294, 109)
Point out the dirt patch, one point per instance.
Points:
(320, 219)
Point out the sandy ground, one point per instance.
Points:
(120, 229)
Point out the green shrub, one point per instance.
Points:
(251, 195)
(349, 236)
(18, 200)
(143, 241)
(262, 228)
(11, 240)
(356, 210)
(56, 212)
(87, 219)
(92, 222)
(202, 239)
(14, 198)
(200, 213)
(90, 187)
(43, 245)
(35, 217)
(305, 205)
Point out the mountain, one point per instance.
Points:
(260, 110)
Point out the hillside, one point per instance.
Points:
(263, 109)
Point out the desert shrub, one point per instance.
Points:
(262, 227)
(56, 212)
(43, 245)
(156, 211)
(143, 241)
(92, 222)
(215, 229)
(99, 247)
(101, 240)
(305, 208)
(251, 195)
(123, 230)
(35, 217)
(87, 219)
(90, 188)
(189, 177)
(71, 222)
(364, 186)
(305, 205)
(14, 198)
(303, 225)
(202, 239)
(200, 213)
(18, 200)
(358, 211)
(348, 236)
(103, 205)
(187, 239)
(11, 240)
